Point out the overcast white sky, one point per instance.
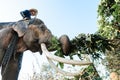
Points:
(70, 17)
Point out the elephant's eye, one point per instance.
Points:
(43, 28)
(36, 40)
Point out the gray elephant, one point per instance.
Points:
(35, 34)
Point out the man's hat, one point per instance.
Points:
(33, 11)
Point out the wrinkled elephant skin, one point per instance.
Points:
(35, 34)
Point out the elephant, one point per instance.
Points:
(31, 38)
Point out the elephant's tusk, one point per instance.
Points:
(63, 60)
(64, 72)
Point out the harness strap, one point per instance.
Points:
(10, 51)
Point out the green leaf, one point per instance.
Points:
(61, 65)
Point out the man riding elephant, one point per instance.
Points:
(22, 25)
(26, 14)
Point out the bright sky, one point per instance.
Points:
(61, 16)
(70, 17)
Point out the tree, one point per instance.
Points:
(109, 26)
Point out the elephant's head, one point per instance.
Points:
(38, 33)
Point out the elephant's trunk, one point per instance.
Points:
(65, 44)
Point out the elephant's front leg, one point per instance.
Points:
(13, 68)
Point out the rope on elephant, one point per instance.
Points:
(9, 52)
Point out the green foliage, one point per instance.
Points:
(112, 60)
(109, 26)
(89, 73)
(92, 44)
(55, 45)
(109, 18)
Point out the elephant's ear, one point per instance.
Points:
(20, 27)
